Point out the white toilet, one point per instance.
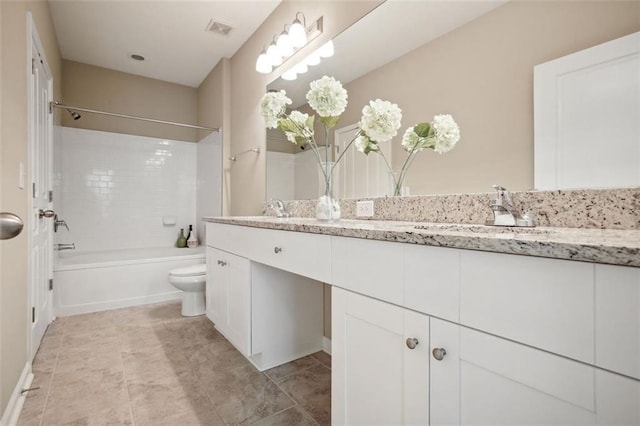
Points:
(191, 280)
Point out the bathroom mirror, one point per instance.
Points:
(473, 60)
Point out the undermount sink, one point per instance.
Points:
(481, 229)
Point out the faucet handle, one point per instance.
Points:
(504, 196)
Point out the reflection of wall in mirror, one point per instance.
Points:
(292, 176)
(482, 74)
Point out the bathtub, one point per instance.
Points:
(86, 282)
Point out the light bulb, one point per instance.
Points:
(326, 51)
(274, 55)
(290, 75)
(297, 34)
(301, 68)
(263, 65)
(283, 43)
(313, 59)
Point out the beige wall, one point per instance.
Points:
(482, 73)
(14, 311)
(214, 105)
(92, 87)
(248, 86)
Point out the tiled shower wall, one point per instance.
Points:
(113, 189)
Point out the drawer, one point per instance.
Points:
(372, 268)
(546, 303)
(298, 252)
(229, 238)
(618, 319)
(432, 281)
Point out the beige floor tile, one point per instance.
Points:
(135, 338)
(89, 338)
(90, 365)
(216, 356)
(293, 416)
(71, 400)
(87, 322)
(192, 332)
(45, 360)
(148, 314)
(323, 357)
(157, 367)
(115, 416)
(55, 328)
(171, 404)
(311, 389)
(278, 373)
(244, 395)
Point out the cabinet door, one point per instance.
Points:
(228, 296)
(484, 379)
(376, 378)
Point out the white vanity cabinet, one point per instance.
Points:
(228, 297)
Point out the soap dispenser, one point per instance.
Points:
(182, 240)
(192, 241)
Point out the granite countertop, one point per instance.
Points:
(610, 246)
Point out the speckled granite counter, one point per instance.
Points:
(611, 246)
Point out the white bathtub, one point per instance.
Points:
(95, 281)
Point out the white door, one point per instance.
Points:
(40, 161)
(376, 378)
(361, 175)
(587, 118)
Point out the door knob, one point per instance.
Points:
(46, 213)
(412, 342)
(10, 225)
(439, 353)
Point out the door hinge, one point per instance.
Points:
(50, 196)
(50, 284)
(33, 189)
(33, 314)
(51, 107)
(33, 66)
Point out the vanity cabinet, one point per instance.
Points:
(228, 297)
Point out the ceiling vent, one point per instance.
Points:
(218, 28)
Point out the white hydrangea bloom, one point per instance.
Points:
(300, 119)
(327, 97)
(380, 120)
(272, 106)
(411, 141)
(447, 133)
(366, 145)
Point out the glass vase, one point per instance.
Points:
(328, 207)
(396, 183)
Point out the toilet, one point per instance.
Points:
(191, 280)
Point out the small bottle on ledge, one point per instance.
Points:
(182, 240)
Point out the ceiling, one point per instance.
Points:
(170, 34)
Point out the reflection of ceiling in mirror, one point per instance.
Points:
(391, 30)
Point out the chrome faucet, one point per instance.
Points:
(505, 212)
(59, 247)
(278, 207)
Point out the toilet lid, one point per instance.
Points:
(189, 271)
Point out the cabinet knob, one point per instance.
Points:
(277, 250)
(412, 342)
(439, 353)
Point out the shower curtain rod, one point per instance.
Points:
(133, 117)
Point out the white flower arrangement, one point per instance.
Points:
(379, 123)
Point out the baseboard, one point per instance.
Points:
(326, 344)
(63, 311)
(14, 407)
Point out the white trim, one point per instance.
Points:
(326, 344)
(14, 407)
(116, 304)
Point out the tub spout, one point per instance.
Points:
(70, 246)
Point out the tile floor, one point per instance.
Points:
(149, 366)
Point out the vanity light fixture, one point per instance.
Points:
(287, 43)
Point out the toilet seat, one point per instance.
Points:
(189, 271)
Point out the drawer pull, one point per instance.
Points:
(412, 342)
(277, 250)
(439, 353)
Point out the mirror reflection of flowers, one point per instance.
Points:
(441, 135)
(328, 99)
